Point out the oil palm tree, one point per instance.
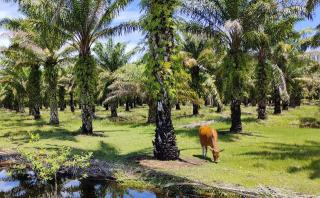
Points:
(86, 21)
(274, 26)
(129, 83)
(110, 57)
(43, 38)
(158, 23)
(230, 21)
(27, 58)
(193, 48)
(15, 78)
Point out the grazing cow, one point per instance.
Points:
(209, 138)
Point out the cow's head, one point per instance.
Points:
(216, 153)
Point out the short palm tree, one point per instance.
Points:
(193, 49)
(15, 78)
(24, 57)
(110, 57)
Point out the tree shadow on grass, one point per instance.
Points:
(282, 151)
(250, 119)
(23, 137)
(21, 123)
(201, 157)
(309, 122)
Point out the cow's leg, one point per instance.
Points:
(203, 152)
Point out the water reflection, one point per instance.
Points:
(28, 186)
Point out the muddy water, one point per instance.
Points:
(29, 186)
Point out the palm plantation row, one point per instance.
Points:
(213, 52)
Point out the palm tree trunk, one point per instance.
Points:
(106, 106)
(277, 101)
(285, 105)
(72, 106)
(178, 106)
(36, 112)
(195, 109)
(61, 98)
(165, 147)
(236, 125)
(54, 116)
(262, 84)
(219, 107)
(113, 108)
(20, 103)
(207, 101)
(152, 112)
(34, 91)
(262, 107)
(85, 73)
(87, 117)
(127, 105)
(51, 75)
(21, 108)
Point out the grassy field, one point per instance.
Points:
(277, 153)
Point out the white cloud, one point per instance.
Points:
(7, 10)
(128, 15)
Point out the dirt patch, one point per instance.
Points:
(182, 163)
(197, 124)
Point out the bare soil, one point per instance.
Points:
(181, 163)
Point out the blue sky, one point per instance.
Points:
(132, 12)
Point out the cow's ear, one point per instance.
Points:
(211, 149)
(221, 150)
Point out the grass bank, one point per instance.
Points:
(276, 152)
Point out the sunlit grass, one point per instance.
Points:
(276, 152)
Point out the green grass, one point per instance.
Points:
(277, 154)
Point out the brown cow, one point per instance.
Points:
(209, 138)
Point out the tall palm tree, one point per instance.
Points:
(159, 25)
(274, 26)
(43, 38)
(230, 21)
(86, 21)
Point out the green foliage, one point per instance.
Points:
(129, 83)
(237, 76)
(34, 137)
(111, 57)
(160, 27)
(47, 163)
